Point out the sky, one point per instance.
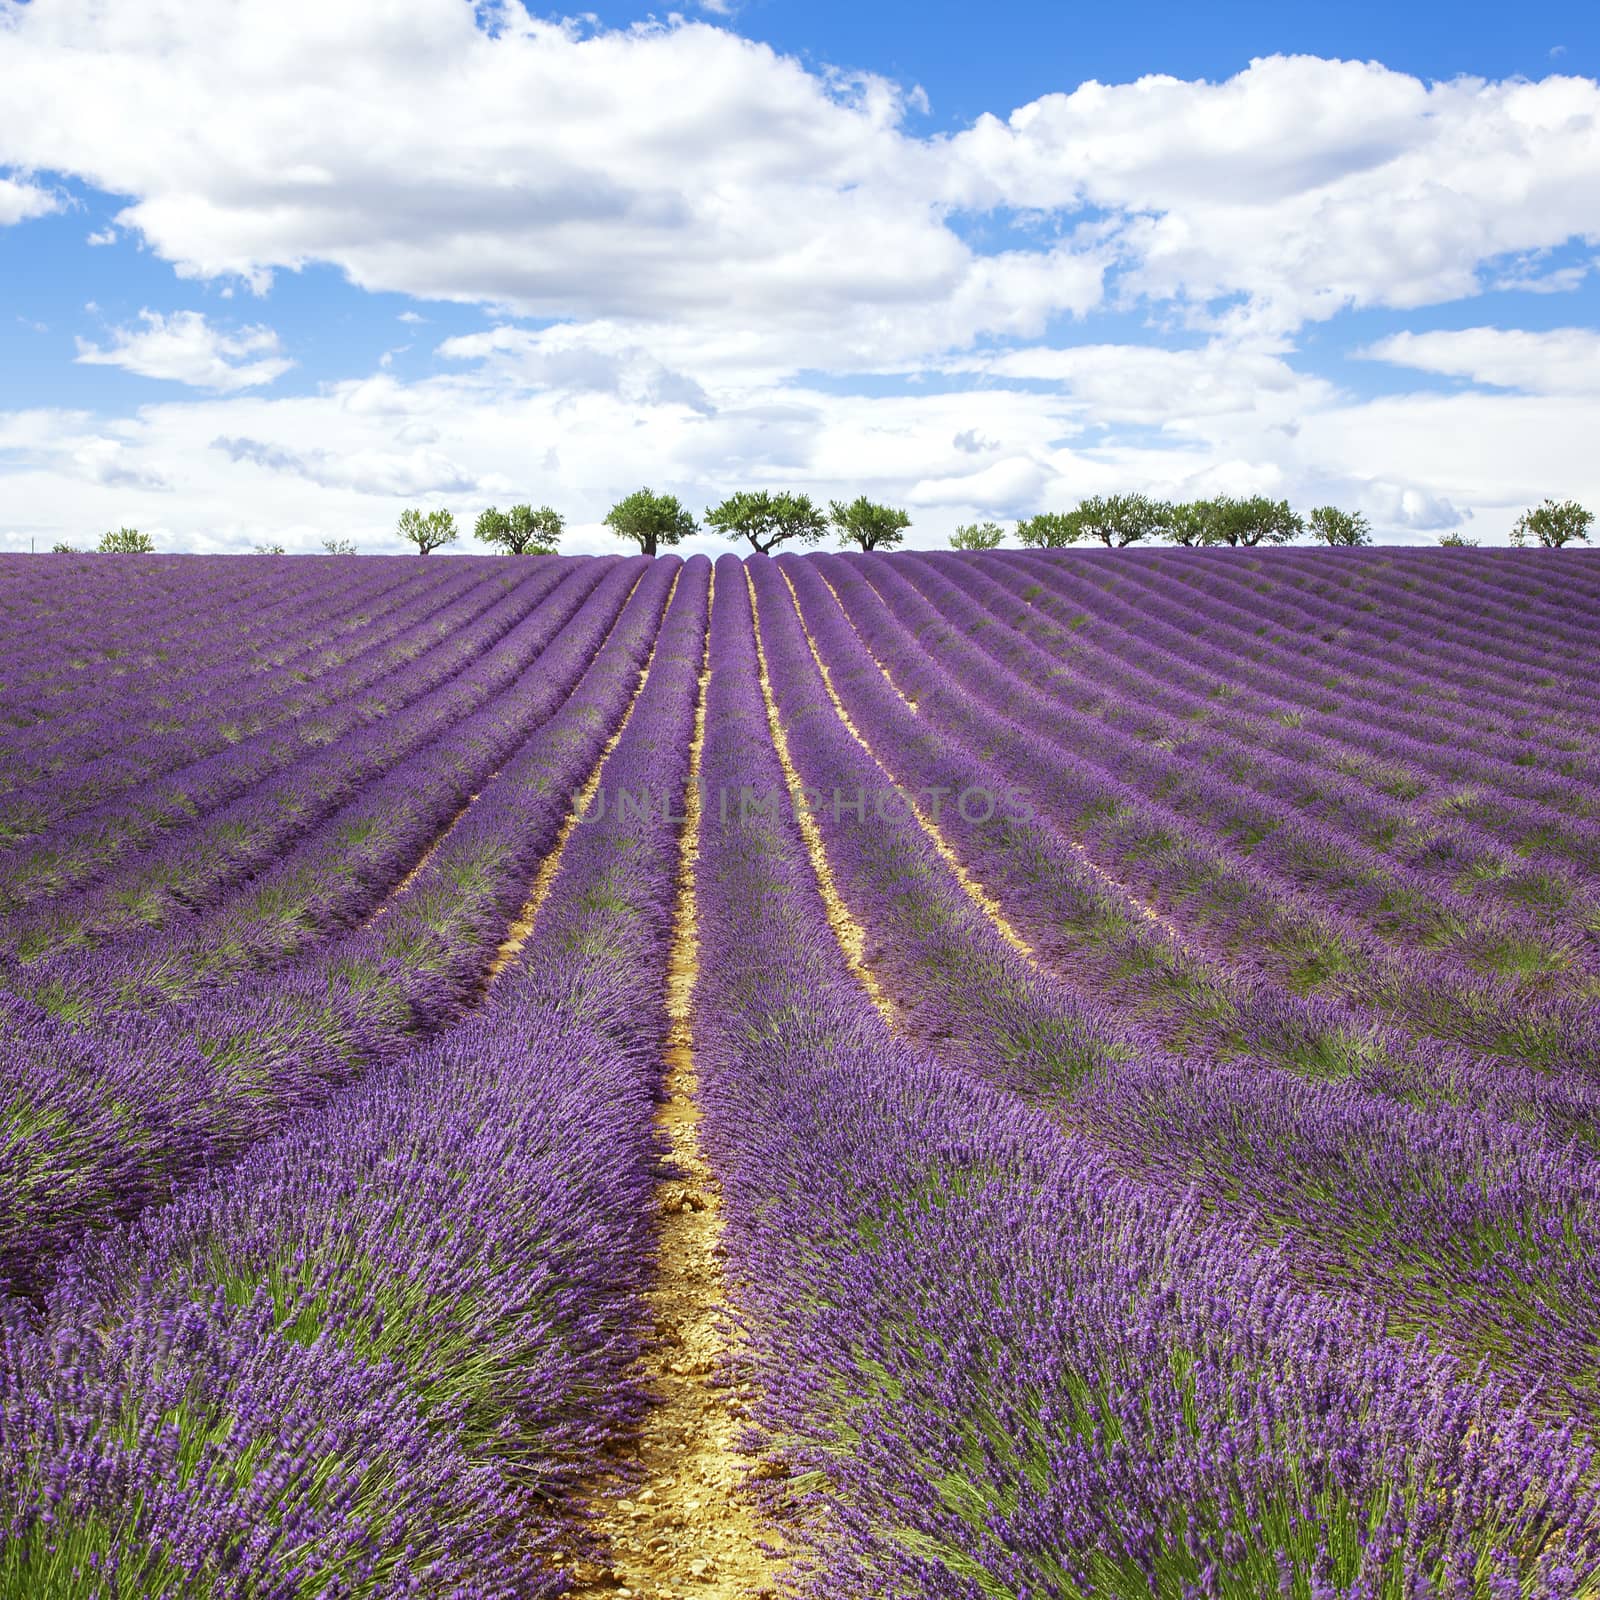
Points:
(272, 280)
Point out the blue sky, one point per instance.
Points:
(273, 281)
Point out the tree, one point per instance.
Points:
(428, 532)
(1191, 523)
(977, 536)
(1553, 525)
(1049, 530)
(126, 542)
(867, 524)
(1117, 520)
(339, 547)
(1329, 525)
(650, 520)
(522, 531)
(1252, 521)
(1456, 540)
(272, 549)
(767, 520)
(65, 549)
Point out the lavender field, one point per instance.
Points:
(990, 1076)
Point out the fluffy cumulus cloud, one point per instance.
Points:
(1557, 361)
(1301, 186)
(671, 173)
(20, 201)
(694, 253)
(185, 348)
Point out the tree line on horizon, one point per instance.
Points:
(768, 519)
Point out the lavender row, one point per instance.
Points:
(190, 863)
(1404, 802)
(236, 654)
(1474, 619)
(1480, 650)
(460, 1241)
(103, 1122)
(1250, 808)
(1447, 739)
(1481, 1235)
(71, 852)
(122, 744)
(400, 670)
(1220, 906)
(137, 617)
(1470, 773)
(1134, 966)
(1433, 873)
(339, 873)
(998, 1367)
(1361, 666)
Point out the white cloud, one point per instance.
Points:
(1304, 185)
(970, 442)
(695, 221)
(20, 202)
(1556, 361)
(405, 474)
(1182, 391)
(103, 237)
(680, 175)
(185, 348)
(222, 472)
(674, 173)
(578, 360)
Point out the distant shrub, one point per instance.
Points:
(768, 520)
(126, 542)
(339, 547)
(270, 549)
(1050, 529)
(868, 525)
(1252, 520)
(977, 536)
(1329, 525)
(426, 532)
(65, 549)
(521, 531)
(650, 520)
(1456, 540)
(1553, 525)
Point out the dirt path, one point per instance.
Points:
(851, 935)
(688, 1529)
(975, 891)
(988, 904)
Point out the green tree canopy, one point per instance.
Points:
(521, 531)
(1114, 519)
(127, 542)
(1049, 530)
(1191, 522)
(865, 523)
(1456, 540)
(339, 547)
(977, 536)
(427, 532)
(1553, 525)
(1117, 520)
(1329, 525)
(768, 520)
(1253, 520)
(650, 520)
